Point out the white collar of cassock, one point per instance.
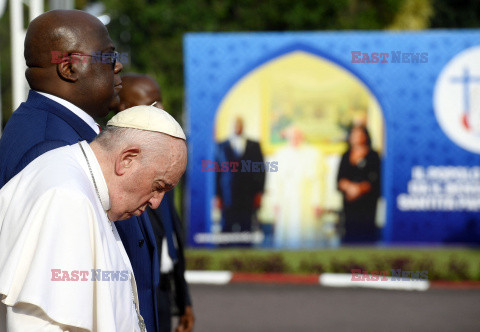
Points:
(97, 174)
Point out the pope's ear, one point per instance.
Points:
(126, 159)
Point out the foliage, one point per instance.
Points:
(152, 31)
(455, 14)
(441, 264)
(413, 15)
(5, 69)
(274, 263)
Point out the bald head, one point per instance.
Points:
(138, 89)
(114, 139)
(60, 30)
(86, 83)
(238, 126)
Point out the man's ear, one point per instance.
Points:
(122, 107)
(68, 70)
(126, 160)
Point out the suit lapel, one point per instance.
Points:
(150, 235)
(48, 105)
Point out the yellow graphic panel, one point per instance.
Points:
(315, 95)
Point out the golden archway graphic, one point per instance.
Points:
(318, 99)
(317, 95)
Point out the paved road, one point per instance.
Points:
(292, 308)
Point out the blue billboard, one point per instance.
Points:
(292, 103)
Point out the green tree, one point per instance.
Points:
(152, 31)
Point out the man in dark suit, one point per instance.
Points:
(68, 92)
(239, 193)
(172, 294)
(65, 96)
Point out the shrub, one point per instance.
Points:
(274, 263)
(197, 262)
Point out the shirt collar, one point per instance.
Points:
(74, 109)
(238, 139)
(101, 184)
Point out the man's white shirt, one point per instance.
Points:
(166, 263)
(238, 143)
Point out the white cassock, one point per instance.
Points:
(296, 194)
(52, 219)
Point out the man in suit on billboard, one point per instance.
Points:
(239, 191)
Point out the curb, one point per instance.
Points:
(455, 285)
(344, 280)
(276, 278)
(338, 280)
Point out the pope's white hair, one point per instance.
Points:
(151, 143)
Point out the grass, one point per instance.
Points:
(442, 263)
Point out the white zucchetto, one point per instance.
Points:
(148, 118)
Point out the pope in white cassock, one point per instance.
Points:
(63, 265)
(296, 193)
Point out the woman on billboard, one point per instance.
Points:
(359, 181)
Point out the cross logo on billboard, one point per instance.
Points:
(456, 99)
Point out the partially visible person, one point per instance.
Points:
(64, 267)
(67, 94)
(172, 294)
(359, 181)
(138, 89)
(296, 192)
(239, 193)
